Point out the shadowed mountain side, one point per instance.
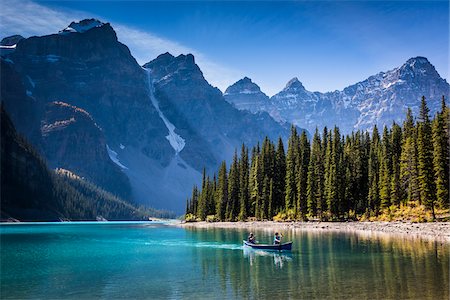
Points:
(31, 192)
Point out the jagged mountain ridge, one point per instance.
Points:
(380, 99)
(198, 110)
(161, 124)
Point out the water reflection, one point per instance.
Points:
(129, 262)
(279, 258)
(326, 264)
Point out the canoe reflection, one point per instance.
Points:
(279, 258)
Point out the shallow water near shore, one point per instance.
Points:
(156, 260)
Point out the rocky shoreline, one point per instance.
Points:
(435, 231)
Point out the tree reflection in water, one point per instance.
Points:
(323, 264)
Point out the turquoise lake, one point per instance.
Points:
(159, 261)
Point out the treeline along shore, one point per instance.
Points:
(401, 173)
(430, 231)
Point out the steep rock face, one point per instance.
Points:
(380, 99)
(90, 69)
(22, 107)
(73, 141)
(212, 128)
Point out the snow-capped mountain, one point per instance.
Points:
(157, 124)
(82, 26)
(380, 99)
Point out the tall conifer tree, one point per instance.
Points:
(441, 155)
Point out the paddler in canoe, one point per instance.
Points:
(251, 238)
(277, 245)
(277, 238)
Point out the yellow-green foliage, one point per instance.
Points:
(212, 218)
(412, 212)
(285, 216)
(190, 218)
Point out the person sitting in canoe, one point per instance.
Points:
(277, 238)
(251, 238)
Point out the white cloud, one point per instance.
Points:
(28, 18)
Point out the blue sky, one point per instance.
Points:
(328, 45)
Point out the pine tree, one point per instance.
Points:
(315, 177)
(327, 187)
(232, 209)
(409, 174)
(304, 153)
(243, 184)
(441, 155)
(221, 196)
(210, 194)
(194, 200)
(188, 206)
(373, 173)
(396, 150)
(270, 207)
(279, 178)
(202, 199)
(254, 181)
(385, 169)
(425, 158)
(263, 208)
(291, 159)
(333, 185)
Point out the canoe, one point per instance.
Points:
(284, 246)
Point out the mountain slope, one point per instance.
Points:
(31, 192)
(73, 141)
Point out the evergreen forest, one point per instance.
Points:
(333, 176)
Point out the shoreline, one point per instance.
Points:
(433, 231)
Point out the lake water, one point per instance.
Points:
(151, 260)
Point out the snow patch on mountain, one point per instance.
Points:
(176, 141)
(82, 26)
(114, 157)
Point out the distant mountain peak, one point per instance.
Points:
(418, 66)
(419, 60)
(294, 83)
(243, 86)
(82, 26)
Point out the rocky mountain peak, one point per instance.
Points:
(166, 66)
(243, 86)
(417, 67)
(82, 26)
(294, 84)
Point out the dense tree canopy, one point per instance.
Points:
(335, 177)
